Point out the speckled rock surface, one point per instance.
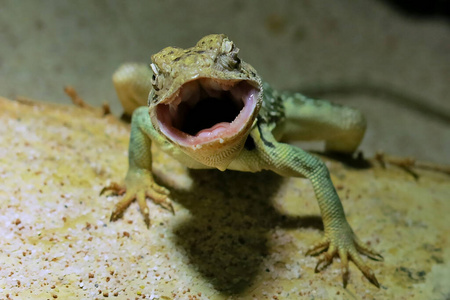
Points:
(234, 235)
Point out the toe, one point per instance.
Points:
(121, 206)
(115, 188)
(325, 259)
(369, 252)
(344, 266)
(144, 208)
(368, 273)
(318, 248)
(161, 199)
(160, 189)
(167, 204)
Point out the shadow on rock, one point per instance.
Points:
(226, 238)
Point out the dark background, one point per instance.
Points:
(391, 58)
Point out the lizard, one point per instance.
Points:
(207, 108)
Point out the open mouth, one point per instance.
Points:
(206, 109)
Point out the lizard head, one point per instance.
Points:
(204, 99)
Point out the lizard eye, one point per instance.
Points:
(155, 82)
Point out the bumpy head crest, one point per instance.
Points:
(205, 99)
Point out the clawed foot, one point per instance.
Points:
(139, 186)
(347, 246)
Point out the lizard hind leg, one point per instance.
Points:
(132, 82)
(342, 128)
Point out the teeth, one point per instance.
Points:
(175, 102)
(212, 92)
(211, 88)
(237, 93)
(173, 109)
(215, 88)
(189, 93)
(211, 85)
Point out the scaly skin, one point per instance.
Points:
(211, 70)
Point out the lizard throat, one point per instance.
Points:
(207, 110)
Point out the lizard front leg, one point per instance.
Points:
(339, 239)
(139, 183)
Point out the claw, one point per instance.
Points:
(373, 280)
(147, 220)
(114, 216)
(378, 257)
(103, 190)
(167, 205)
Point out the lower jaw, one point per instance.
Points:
(217, 154)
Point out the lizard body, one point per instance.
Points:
(209, 109)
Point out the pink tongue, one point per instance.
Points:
(213, 131)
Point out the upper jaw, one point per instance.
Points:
(208, 111)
